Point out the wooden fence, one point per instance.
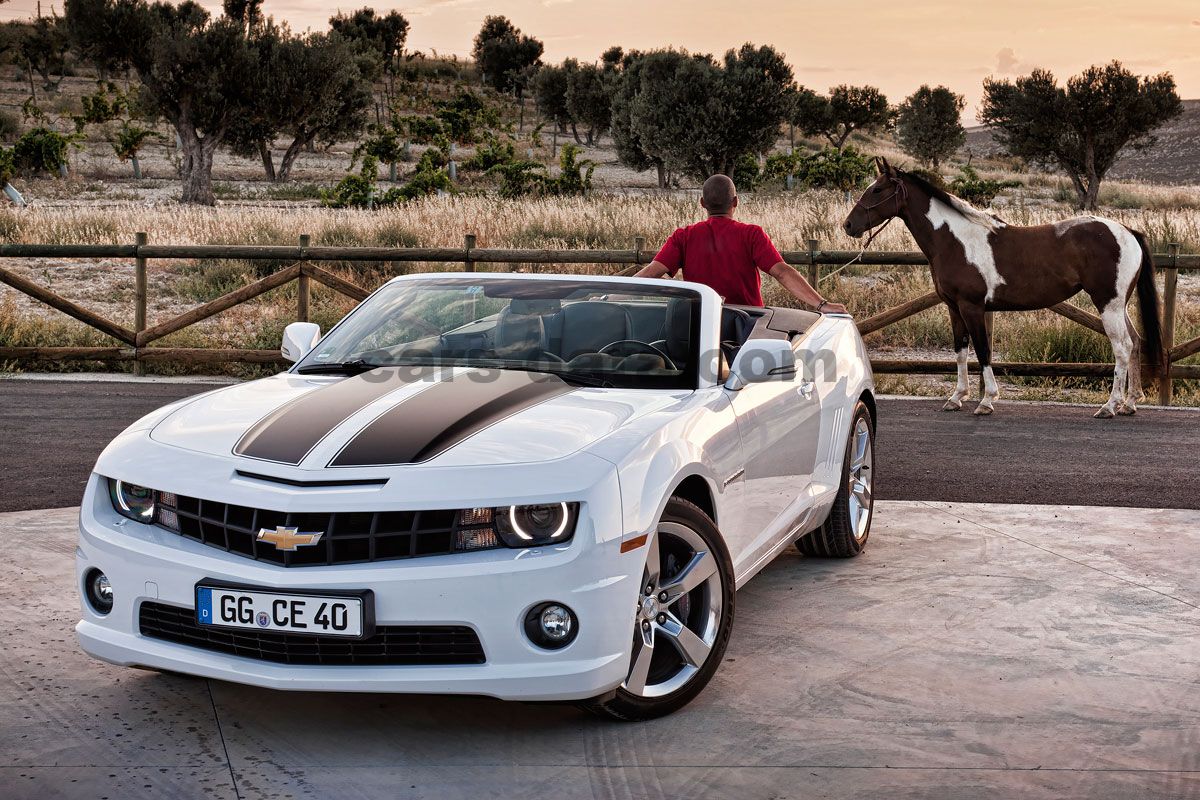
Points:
(135, 344)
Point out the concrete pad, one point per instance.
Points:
(705, 782)
(973, 651)
(69, 709)
(116, 783)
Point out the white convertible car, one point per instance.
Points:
(531, 487)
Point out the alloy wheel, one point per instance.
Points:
(678, 612)
(859, 479)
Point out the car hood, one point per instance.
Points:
(390, 417)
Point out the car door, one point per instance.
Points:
(779, 423)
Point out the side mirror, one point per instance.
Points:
(761, 360)
(299, 339)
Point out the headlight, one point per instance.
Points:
(132, 501)
(516, 526)
(527, 526)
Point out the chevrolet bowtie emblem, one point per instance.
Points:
(289, 538)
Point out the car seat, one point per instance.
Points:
(521, 329)
(589, 325)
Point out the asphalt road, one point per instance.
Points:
(51, 433)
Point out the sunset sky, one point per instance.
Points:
(894, 45)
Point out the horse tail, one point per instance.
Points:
(1153, 354)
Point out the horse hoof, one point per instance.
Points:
(982, 410)
(952, 406)
(1126, 410)
(1103, 413)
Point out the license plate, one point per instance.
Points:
(283, 612)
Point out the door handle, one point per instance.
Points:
(806, 389)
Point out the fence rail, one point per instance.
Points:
(304, 270)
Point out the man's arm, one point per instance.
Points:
(654, 269)
(795, 283)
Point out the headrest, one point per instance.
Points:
(537, 307)
(678, 329)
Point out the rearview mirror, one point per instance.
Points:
(299, 339)
(761, 360)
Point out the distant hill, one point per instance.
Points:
(1174, 158)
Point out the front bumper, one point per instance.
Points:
(487, 591)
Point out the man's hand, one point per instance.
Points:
(833, 308)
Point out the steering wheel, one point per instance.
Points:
(644, 347)
(555, 357)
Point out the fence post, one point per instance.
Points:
(303, 285)
(139, 294)
(814, 271)
(638, 243)
(468, 246)
(1170, 289)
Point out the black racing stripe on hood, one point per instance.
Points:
(443, 415)
(290, 432)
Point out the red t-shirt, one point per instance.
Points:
(722, 253)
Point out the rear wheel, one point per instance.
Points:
(844, 533)
(684, 616)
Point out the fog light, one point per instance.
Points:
(98, 591)
(551, 625)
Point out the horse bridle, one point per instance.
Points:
(900, 192)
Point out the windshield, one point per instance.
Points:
(601, 334)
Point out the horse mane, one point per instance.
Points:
(989, 221)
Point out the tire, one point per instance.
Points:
(686, 542)
(845, 531)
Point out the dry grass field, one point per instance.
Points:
(602, 221)
(100, 202)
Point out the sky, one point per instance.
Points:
(895, 45)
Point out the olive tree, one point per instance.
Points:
(198, 72)
(1083, 127)
(669, 81)
(588, 100)
(549, 89)
(506, 58)
(626, 87)
(382, 34)
(39, 46)
(385, 34)
(847, 109)
(310, 88)
(928, 125)
(699, 117)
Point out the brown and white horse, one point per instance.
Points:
(981, 264)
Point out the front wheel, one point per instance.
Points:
(844, 533)
(683, 618)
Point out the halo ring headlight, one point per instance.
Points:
(536, 524)
(515, 514)
(132, 501)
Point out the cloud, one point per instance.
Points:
(1006, 61)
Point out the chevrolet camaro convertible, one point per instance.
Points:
(531, 487)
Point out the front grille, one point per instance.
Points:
(348, 537)
(391, 645)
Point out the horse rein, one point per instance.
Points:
(900, 192)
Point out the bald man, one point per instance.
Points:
(728, 255)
